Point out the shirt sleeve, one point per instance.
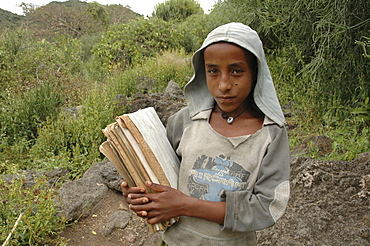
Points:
(252, 210)
(176, 125)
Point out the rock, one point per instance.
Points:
(121, 100)
(165, 104)
(131, 238)
(104, 172)
(77, 199)
(174, 90)
(118, 219)
(329, 204)
(28, 176)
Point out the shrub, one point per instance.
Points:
(177, 10)
(39, 220)
(22, 115)
(130, 44)
(72, 140)
(153, 75)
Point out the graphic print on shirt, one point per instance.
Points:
(210, 177)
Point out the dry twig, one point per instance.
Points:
(12, 231)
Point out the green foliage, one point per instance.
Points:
(132, 43)
(23, 114)
(362, 114)
(365, 44)
(196, 28)
(24, 62)
(12, 44)
(153, 75)
(33, 82)
(176, 10)
(39, 221)
(36, 80)
(72, 140)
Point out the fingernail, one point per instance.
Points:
(129, 196)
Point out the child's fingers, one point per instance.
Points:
(156, 187)
(142, 213)
(123, 183)
(137, 201)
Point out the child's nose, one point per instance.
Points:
(224, 84)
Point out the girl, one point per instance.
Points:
(233, 146)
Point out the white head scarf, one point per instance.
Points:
(196, 92)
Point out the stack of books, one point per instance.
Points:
(138, 147)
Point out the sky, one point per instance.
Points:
(144, 7)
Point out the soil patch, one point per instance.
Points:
(92, 231)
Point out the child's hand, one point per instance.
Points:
(165, 203)
(128, 193)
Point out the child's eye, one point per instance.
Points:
(237, 71)
(212, 71)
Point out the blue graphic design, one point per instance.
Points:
(211, 177)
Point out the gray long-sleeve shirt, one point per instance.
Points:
(250, 173)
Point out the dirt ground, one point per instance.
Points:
(90, 231)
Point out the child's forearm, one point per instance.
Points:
(212, 211)
(169, 203)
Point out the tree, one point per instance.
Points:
(176, 10)
(119, 14)
(323, 31)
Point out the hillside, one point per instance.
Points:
(86, 17)
(9, 19)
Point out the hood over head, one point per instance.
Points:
(196, 92)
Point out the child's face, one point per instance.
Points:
(229, 75)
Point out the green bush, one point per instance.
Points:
(348, 128)
(176, 10)
(72, 140)
(22, 115)
(132, 43)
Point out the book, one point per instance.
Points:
(138, 148)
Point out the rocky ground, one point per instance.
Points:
(329, 202)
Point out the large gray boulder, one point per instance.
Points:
(78, 199)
